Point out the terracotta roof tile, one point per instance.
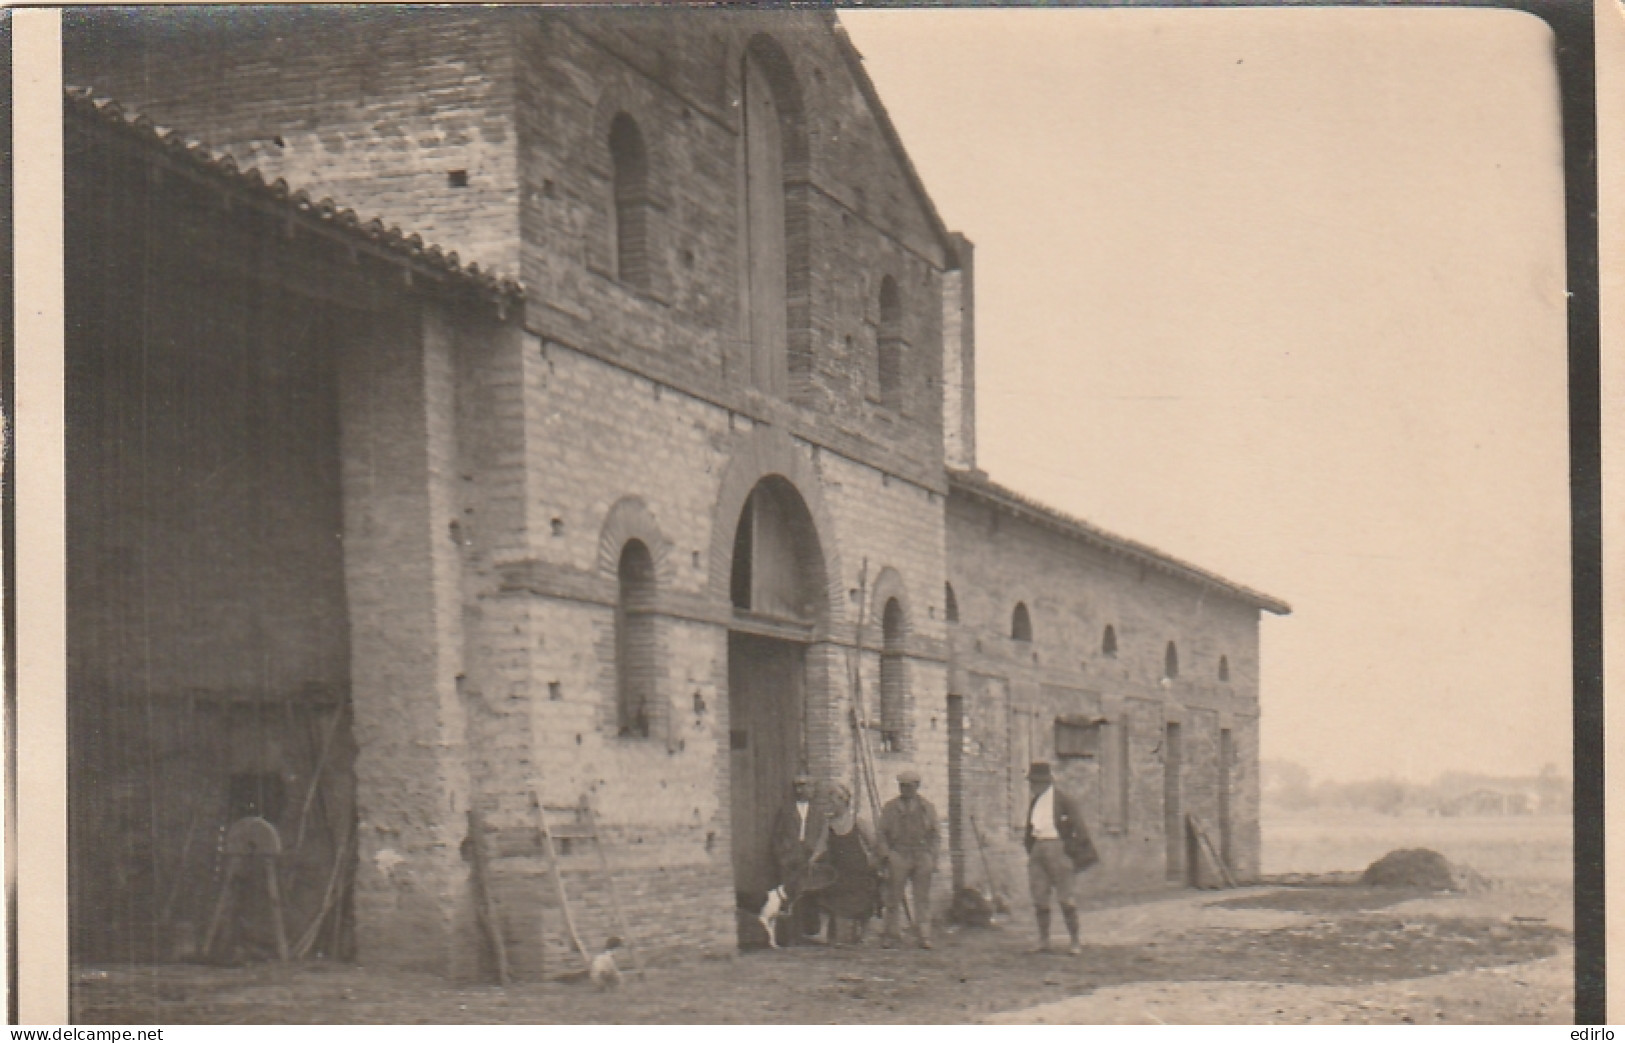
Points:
(405, 246)
(977, 485)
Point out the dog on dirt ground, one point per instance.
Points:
(764, 910)
(603, 973)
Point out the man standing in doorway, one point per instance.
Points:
(1058, 846)
(796, 827)
(909, 839)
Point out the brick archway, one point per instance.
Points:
(631, 519)
(783, 686)
(760, 454)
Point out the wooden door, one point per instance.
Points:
(766, 681)
(1173, 813)
(957, 832)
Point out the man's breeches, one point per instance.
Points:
(905, 866)
(1049, 870)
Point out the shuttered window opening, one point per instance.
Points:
(1021, 624)
(893, 680)
(630, 163)
(891, 348)
(636, 644)
(1114, 774)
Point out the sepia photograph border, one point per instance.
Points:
(33, 484)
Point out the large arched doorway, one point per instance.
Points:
(778, 590)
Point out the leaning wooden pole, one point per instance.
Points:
(863, 756)
(863, 764)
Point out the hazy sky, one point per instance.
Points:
(1281, 292)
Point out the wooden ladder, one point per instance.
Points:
(555, 826)
(581, 825)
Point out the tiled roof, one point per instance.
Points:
(406, 247)
(977, 485)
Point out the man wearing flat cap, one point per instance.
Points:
(797, 826)
(1058, 846)
(909, 839)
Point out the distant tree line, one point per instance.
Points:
(1287, 786)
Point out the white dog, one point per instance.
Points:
(774, 905)
(604, 973)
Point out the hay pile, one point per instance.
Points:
(1416, 867)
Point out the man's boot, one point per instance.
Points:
(1043, 929)
(1070, 914)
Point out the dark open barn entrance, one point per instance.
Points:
(208, 630)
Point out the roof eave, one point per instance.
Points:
(978, 486)
(323, 217)
(854, 61)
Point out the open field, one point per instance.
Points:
(1509, 848)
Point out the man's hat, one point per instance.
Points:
(1039, 772)
(909, 776)
(805, 780)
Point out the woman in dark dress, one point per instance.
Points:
(848, 848)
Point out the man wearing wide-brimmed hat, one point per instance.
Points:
(1058, 846)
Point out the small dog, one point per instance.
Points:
(759, 914)
(604, 974)
(776, 905)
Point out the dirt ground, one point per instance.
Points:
(1318, 954)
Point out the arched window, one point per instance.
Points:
(636, 657)
(629, 161)
(1021, 624)
(1170, 662)
(893, 679)
(890, 344)
(772, 132)
(1224, 668)
(1108, 642)
(950, 604)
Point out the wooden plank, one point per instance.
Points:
(1205, 843)
(486, 907)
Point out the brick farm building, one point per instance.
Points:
(631, 419)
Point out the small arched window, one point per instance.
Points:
(890, 344)
(1108, 642)
(1021, 624)
(950, 603)
(629, 161)
(636, 659)
(893, 679)
(1224, 668)
(1170, 662)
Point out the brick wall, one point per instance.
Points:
(607, 437)
(1072, 592)
(373, 109)
(679, 79)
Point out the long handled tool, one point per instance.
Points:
(860, 733)
(995, 893)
